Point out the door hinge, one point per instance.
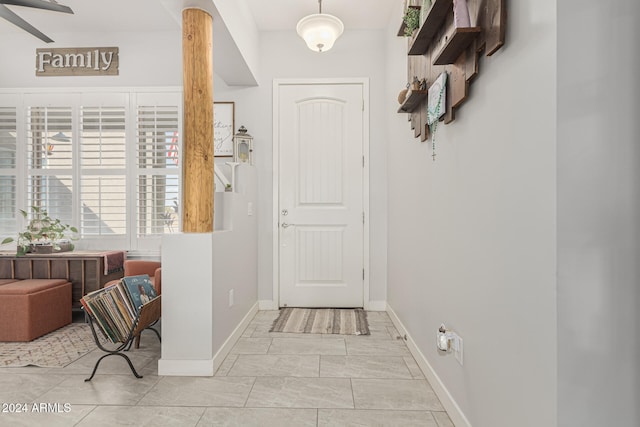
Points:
(362, 161)
(363, 217)
(363, 274)
(363, 105)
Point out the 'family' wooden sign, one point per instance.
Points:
(81, 61)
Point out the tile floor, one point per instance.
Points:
(268, 379)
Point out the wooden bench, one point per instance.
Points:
(34, 307)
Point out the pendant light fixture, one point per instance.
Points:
(320, 30)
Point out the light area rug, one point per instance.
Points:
(322, 321)
(53, 350)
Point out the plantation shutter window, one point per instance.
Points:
(103, 183)
(50, 160)
(158, 169)
(104, 161)
(8, 170)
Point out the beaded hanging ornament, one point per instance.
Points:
(435, 107)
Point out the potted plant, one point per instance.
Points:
(411, 21)
(43, 234)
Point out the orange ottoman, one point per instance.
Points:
(34, 307)
(7, 281)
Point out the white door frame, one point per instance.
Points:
(364, 81)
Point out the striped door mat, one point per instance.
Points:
(351, 321)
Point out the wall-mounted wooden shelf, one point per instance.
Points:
(404, 25)
(457, 43)
(438, 47)
(432, 23)
(413, 101)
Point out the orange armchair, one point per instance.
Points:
(136, 267)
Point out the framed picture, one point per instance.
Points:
(436, 99)
(223, 126)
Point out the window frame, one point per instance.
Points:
(14, 101)
(91, 97)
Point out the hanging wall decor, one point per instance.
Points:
(436, 99)
(461, 17)
(424, 10)
(223, 126)
(436, 107)
(448, 44)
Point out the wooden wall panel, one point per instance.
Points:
(491, 16)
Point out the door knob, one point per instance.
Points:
(285, 225)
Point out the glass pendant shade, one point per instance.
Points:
(320, 31)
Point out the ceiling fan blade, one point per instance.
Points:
(16, 20)
(39, 4)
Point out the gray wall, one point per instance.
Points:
(598, 213)
(472, 236)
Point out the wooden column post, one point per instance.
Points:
(197, 169)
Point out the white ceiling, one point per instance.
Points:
(160, 15)
(355, 14)
(96, 16)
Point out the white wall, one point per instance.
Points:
(598, 213)
(198, 271)
(472, 235)
(235, 258)
(236, 42)
(284, 55)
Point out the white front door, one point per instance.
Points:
(320, 206)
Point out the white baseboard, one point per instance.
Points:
(219, 357)
(455, 413)
(376, 306)
(267, 304)
(186, 368)
(206, 367)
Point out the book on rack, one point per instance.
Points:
(115, 307)
(140, 289)
(94, 304)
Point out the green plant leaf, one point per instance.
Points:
(412, 21)
(7, 240)
(43, 229)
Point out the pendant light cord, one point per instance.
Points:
(320, 6)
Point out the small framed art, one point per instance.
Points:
(436, 99)
(223, 127)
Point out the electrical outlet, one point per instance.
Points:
(457, 348)
(231, 298)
